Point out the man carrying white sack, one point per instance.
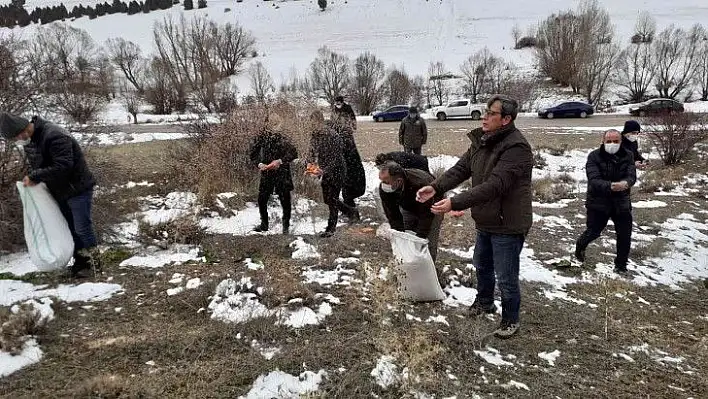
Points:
(398, 196)
(56, 159)
(499, 163)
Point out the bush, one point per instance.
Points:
(12, 170)
(549, 190)
(539, 162)
(675, 135)
(526, 42)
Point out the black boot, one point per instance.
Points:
(286, 228)
(354, 216)
(579, 253)
(86, 261)
(262, 228)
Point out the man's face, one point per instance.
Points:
(24, 136)
(390, 181)
(612, 138)
(493, 120)
(338, 104)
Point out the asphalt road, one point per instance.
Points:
(523, 122)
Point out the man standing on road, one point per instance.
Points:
(272, 151)
(498, 163)
(413, 133)
(629, 142)
(611, 174)
(344, 111)
(56, 159)
(399, 188)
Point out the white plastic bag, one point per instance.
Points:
(418, 278)
(47, 233)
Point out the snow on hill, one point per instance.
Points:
(403, 32)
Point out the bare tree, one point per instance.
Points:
(516, 34)
(557, 48)
(419, 91)
(701, 78)
(644, 28)
(635, 71)
(436, 79)
(261, 82)
(367, 82)
(330, 73)
(523, 89)
(500, 76)
(675, 135)
(131, 98)
(399, 87)
(159, 91)
(126, 56)
(233, 47)
(597, 53)
(476, 70)
(16, 86)
(79, 103)
(677, 54)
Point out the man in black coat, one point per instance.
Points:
(629, 142)
(56, 159)
(611, 173)
(344, 111)
(326, 151)
(406, 160)
(355, 178)
(273, 152)
(413, 132)
(398, 191)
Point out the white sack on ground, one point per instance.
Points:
(418, 279)
(47, 233)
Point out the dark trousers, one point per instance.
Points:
(596, 223)
(413, 150)
(266, 187)
(425, 228)
(77, 212)
(496, 258)
(330, 193)
(348, 197)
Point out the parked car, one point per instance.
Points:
(394, 113)
(568, 109)
(656, 106)
(462, 108)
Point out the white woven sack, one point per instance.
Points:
(418, 279)
(47, 233)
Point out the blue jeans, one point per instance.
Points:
(496, 257)
(77, 212)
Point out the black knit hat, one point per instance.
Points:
(631, 126)
(11, 125)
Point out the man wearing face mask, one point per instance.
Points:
(611, 173)
(413, 133)
(398, 196)
(344, 111)
(629, 142)
(56, 159)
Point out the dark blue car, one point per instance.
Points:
(394, 113)
(571, 109)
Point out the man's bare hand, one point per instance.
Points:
(425, 194)
(457, 214)
(27, 182)
(441, 207)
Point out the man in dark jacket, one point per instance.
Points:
(55, 159)
(413, 133)
(344, 111)
(629, 142)
(398, 191)
(326, 151)
(498, 163)
(611, 173)
(272, 152)
(355, 179)
(407, 160)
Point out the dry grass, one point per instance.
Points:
(109, 386)
(15, 328)
(662, 179)
(12, 169)
(550, 189)
(182, 230)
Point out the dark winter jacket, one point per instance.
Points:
(413, 132)
(602, 170)
(408, 160)
(355, 178)
(56, 159)
(499, 168)
(406, 199)
(269, 146)
(327, 151)
(346, 112)
(633, 147)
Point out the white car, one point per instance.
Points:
(462, 108)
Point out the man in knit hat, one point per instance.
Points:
(56, 160)
(629, 142)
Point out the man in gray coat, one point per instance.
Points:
(413, 133)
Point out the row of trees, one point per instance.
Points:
(579, 49)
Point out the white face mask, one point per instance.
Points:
(338, 105)
(22, 143)
(631, 137)
(387, 188)
(612, 148)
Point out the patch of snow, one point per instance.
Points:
(550, 357)
(31, 354)
(517, 385)
(303, 250)
(237, 302)
(438, 319)
(251, 265)
(267, 352)
(175, 291)
(193, 283)
(176, 278)
(305, 316)
(41, 307)
(563, 203)
(459, 295)
(386, 372)
(18, 264)
(492, 356)
(118, 138)
(278, 384)
(649, 204)
(13, 291)
(177, 254)
(339, 276)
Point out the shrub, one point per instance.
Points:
(675, 135)
(12, 170)
(526, 42)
